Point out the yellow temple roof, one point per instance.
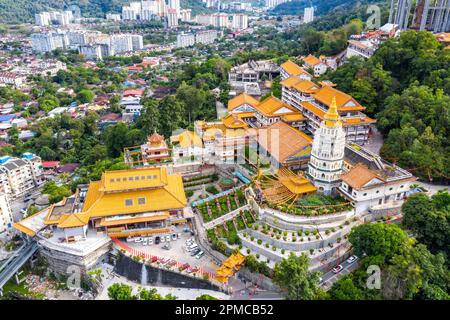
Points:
(344, 102)
(293, 69)
(187, 139)
(241, 99)
(272, 106)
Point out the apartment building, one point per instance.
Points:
(19, 175)
(6, 218)
(11, 78)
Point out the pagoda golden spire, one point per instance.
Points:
(332, 116)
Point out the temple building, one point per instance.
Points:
(123, 203)
(313, 100)
(372, 183)
(327, 156)
(155, 150)
(290, 68)
(283, 145)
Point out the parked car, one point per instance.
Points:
(352, 259)
(199, 255)
(138, 239)
(130, 239)
(145, 241)
(174, 236)
(150, 241)
(337, 269)
(179, 235)
(167, 246)
(163, 239)
(167, 238)
(157, 240)
(194, 252)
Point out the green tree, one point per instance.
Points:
(293, 275)
(379, 239)
(120, 291)
(345, 289)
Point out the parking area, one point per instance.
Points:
(177, 250)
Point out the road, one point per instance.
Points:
(18, 260)
(330, 277)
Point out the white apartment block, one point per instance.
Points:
(6, 218)
(91, 52)
(185, 14)
(308, 15)
(269, 4)
(172, 18)
(19, 175)
(121, 43)
(239, 21)
(206, 37)
(47, 42)
(62, 18)
(11, 78)
(185, 40)
(113, 16)
(137, 42)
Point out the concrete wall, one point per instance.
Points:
(291, 222)
(132, 270)
(299, 246)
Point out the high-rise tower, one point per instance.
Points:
(327, 155)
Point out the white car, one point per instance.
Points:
(130, 239)
(138, 239)
(174, 236)
(337, 269)
(352, 259)
(167, 238)
(163, 239)
(199, 255)
(145, 242)
(179, 235)
(150, 241)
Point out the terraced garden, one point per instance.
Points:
(314, 205)
(229, 229)
(220, 206)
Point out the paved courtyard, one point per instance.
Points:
(177, 252)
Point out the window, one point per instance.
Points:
(364, 194)
(149, 177)
(142, 177)
(141, 201)
(130, 179)
(112, 180)
(390, 189)
(136, 178)
(401, 186)
(124, 179)
(128, 202)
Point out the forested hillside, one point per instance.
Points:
(296, 7)
(406, 86)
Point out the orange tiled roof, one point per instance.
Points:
(283, 141)
(271, 105)
(233, 121)
(293, 69)
(306, 86)
(241, 99)
(289, 82)
(311, 60)
(344, 101)
(359, 176)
